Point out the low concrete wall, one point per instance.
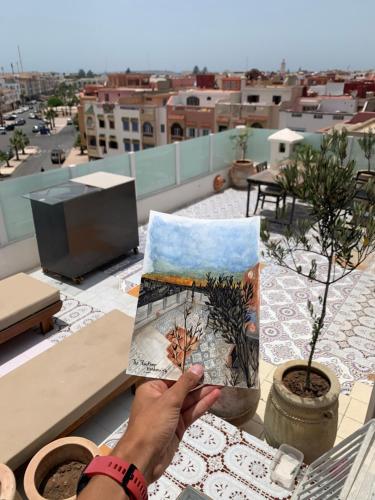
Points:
(179, 196)
(23, 255)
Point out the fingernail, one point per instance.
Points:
(197, 370)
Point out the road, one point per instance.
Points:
(64, 140)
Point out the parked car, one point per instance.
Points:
(35, 129)
(69, 121)
(44, 130)
(57, 155)
(20, 121)
(32, 116)
(11, 117)
(9, 126)
(3, 130)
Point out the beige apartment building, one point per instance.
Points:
(118, 120)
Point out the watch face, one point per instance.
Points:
(83, 482)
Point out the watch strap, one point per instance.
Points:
(127, 475)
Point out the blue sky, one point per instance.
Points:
(164, 34)
(192, 247)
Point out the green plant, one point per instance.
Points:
(367, 144)
(23, 140)
(50, 115)
(4, 156)
(17, 143)
(240, 141)
(339, 228)
(79, 143)
(228, 304)
(54, 102)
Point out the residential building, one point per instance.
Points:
(206, 80)
(117, 120)
(311, 114)
(259, 105)
(191, 113)
(33, 85)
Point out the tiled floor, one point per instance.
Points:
(348, 345)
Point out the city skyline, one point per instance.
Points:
(164, 36)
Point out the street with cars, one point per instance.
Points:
(50, 146)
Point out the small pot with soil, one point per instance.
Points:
(53, 473)
(304, 418)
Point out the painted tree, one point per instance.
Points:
(228, 305)
(339, 228)
(184, 339)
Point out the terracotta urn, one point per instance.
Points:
(51, 456)
(307, 423)
(240, 171)
(7, 484)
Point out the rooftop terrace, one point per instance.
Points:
(178, 178)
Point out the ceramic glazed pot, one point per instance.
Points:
(7, 484)
(236, 404)
(240, 171)
(53, 454)
(308, 424)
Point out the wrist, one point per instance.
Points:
(134, 452)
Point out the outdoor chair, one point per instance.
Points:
(274, 193)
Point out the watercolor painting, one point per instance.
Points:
(199, 300)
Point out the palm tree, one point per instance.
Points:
(4, 157)
(50, 115)
(24, 140)
(16, 142)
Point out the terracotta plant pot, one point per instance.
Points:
(236, 404)
(52, 455)
(308, 424)
(7, 484)
(240, 171)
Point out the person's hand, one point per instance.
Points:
(161, 412)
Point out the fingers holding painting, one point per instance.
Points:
(188, 381)
(191, 414)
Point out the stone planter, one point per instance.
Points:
(7, 484)
(236, 404)
(240, 171)
(308, 424)
(52, 455)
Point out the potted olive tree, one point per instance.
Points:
(302, 408)
(242, 167)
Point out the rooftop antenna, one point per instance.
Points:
(19, 57)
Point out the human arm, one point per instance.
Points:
(161, 412)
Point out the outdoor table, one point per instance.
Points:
(266, 178)
(218, 459)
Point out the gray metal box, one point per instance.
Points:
(85, 223)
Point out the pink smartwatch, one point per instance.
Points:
(125, 474)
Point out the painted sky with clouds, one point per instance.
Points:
(192, 247)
